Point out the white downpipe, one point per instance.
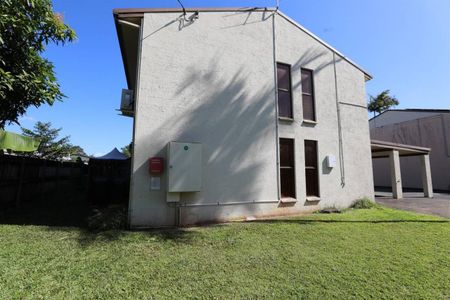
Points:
(338, 111)
(277, 142)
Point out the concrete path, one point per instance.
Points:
(439, 205)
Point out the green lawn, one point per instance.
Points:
(372, 253)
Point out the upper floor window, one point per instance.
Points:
(309, 110)
(284, 90)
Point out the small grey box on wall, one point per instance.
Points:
(155, 183)
(184, 167)
(331, 161)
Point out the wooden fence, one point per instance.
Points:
(109, 181)
(25, 179)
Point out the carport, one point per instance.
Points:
(393, 151)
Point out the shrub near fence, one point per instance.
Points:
(23, 179)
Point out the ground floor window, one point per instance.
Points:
(311, 170)
(287, 168)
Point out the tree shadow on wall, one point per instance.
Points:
(235, 122)
(234, 118)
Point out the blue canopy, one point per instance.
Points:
(113, 155)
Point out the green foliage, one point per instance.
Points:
(127, 150)
(26, 78)
(51, 146)
(382, 102)
(77, 150)
(109, 218)
(359, 254)
(364, 203)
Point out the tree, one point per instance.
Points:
(26, 78)
(127, 150)
(382, 102)
(77, 150)
(51, 146)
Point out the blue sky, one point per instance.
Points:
(404, 44)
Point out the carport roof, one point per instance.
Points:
(382, 149)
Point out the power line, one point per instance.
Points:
(182, 6)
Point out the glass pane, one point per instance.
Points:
(307, 82)
(287, 180)
(311, 171)
(310, 154)
(308, 107)
(284, 104)
(283, 77)
(312, 184)
(286, 153)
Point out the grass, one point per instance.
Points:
(368, 253)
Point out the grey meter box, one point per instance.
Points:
(184, 167)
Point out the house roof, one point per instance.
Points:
(133, 15)
(426, 110)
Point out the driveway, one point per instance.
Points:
(439, 205)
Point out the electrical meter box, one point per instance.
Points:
(184, 167)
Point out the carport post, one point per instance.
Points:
(396, 177)
(426, 175)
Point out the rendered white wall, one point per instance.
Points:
(300, 50)
(213, 82)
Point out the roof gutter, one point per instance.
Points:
(136, 12)
(397, 146)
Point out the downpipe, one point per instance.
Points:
(338, 111)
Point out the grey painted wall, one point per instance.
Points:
(398, 116)
(432, 132)
(213, 82)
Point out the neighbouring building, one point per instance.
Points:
(420, 127)
(239, 113)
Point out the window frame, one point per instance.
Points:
(292, 167)
(317, 168)
(313, 96)
(291, 102)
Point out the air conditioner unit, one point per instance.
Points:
(127, 102)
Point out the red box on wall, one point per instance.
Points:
(156, 165)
